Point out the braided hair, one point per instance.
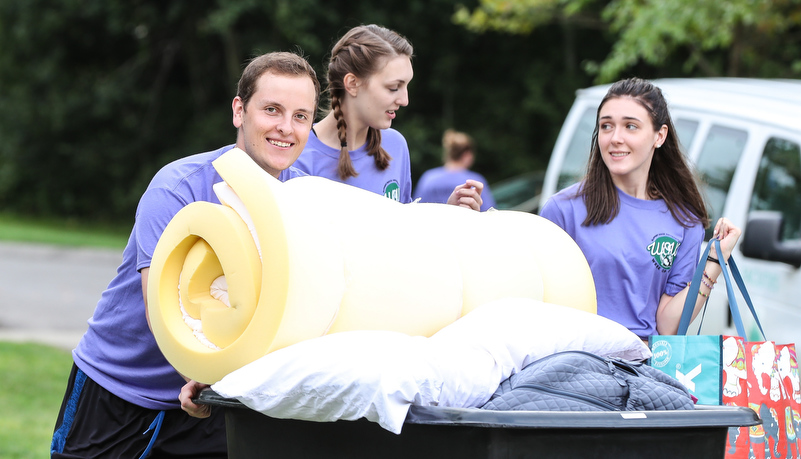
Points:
(361, 51)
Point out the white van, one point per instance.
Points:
(744, 137)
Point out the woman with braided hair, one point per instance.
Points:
(368, 78)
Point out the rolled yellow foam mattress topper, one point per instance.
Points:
(281, 262)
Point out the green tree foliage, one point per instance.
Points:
(96, 96)
(711, 37)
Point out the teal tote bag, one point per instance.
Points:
(703, 362)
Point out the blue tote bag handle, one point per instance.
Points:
(692, 293)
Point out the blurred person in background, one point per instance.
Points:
(436, 185)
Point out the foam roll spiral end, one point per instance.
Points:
(311, 256)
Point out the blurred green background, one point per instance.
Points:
(96, 96)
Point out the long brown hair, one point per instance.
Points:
(360, 52)
(669, 177)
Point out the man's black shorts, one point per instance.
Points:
(93, 422)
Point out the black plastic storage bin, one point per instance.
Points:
(444, 433)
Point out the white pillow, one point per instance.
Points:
(518, 331)
(372, 374)
(379, 374)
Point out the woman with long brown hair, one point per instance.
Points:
(638, 214)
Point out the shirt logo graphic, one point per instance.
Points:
(664, 249)
(392, 190)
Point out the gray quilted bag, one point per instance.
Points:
(581, 381)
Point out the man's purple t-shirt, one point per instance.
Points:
(394, 182)
(437, 184)
(118, 351)
(641, 255)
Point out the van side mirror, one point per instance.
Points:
(762, 239)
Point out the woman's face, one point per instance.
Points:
(626, 138)
(380, 96)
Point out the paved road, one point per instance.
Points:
(47, 293)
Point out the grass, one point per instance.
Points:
(34, 380)
(62, 232)
(35, 375)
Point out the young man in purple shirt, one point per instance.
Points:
(121, 385)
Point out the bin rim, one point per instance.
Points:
(701, 416)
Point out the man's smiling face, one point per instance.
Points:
(275, 124)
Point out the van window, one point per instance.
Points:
(578, 151)
(778, 184)
(686, 130)
(719, 156)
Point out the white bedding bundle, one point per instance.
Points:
(379, 374)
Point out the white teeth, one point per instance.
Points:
(280, 144)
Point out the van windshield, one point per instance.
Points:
(575, 162)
